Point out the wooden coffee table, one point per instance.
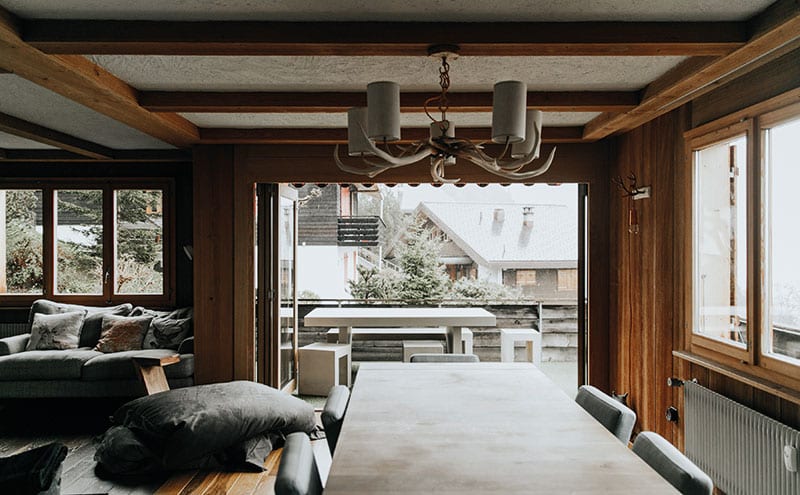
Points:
(151, 372)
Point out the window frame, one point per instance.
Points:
(108, 297)
(767, 121)
(694, 145)
(753, 360)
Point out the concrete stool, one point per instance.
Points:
(420, 347)
(532, 339)
(466, 340)
(321, 366)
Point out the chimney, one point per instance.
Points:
(527, 216)
(499, 215)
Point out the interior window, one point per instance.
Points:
(782, 236)
(138, 245)
(720, 241)
(79, 241)
(21, 241)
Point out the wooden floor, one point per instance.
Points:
(29, 424)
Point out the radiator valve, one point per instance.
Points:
(672, 414)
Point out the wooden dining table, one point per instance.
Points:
(479, 428)
(454, 318)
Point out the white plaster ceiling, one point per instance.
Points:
(28, 101)
(392, 10)
(12, 142)
(216, 73)
(323, 120)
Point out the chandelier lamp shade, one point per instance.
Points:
(372, 132)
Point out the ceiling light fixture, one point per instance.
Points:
(513, 125)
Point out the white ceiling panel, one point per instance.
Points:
(12, 142)
(245, 73)
(392, 10)
(28, 101)
(323, 120)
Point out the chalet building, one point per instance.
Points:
(533, 247)
(679, 122)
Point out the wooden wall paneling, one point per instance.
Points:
(643, 321)
(771, 80)
(244, 319)
(213, 266)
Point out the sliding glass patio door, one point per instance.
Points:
(276, 285)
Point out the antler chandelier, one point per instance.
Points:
(515, 127)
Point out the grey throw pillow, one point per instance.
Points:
(168, 328)
(59, 331)
(94, 316)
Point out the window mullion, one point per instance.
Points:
(109, 275)
(754, 248)
(49, 251)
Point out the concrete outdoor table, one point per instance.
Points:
(452, 318)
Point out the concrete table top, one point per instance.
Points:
(476, 429)
(452, 318)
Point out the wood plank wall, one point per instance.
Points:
(643, 329)
(647, 289)
(213, 263)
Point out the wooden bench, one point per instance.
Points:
(383, 333)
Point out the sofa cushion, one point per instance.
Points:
(45, 365)
(168, 328)
(118, 365)
(122, 333)
(90, 332)
(56, 332)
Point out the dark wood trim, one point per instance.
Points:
(331, 136)
(87, 83)
(128, 156)
(339, 102)
(51, 137)
(757, 382)
(383, 38)
(697, 77)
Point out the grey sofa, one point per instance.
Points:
(84, 372)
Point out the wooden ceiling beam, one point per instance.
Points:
(328, 136)
(34, 132)
(773, 31)
(128, 156)
(339, 102)
(383, 38)
(88, 84)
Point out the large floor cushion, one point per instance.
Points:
(197, 427)
(119, 365)
(45, 365)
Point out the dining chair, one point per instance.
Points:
(672, 465)
(615, 416)
(333, 414)
(298, 473)
(444, 358)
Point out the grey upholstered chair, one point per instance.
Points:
(333, 414)
(444, 358)
(298, 473)
(611, 413)
(672, 465)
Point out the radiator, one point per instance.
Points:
(742, 450)
(9, 329)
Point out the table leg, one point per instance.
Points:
(153, 378)
(345, 335)
(454, 340)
